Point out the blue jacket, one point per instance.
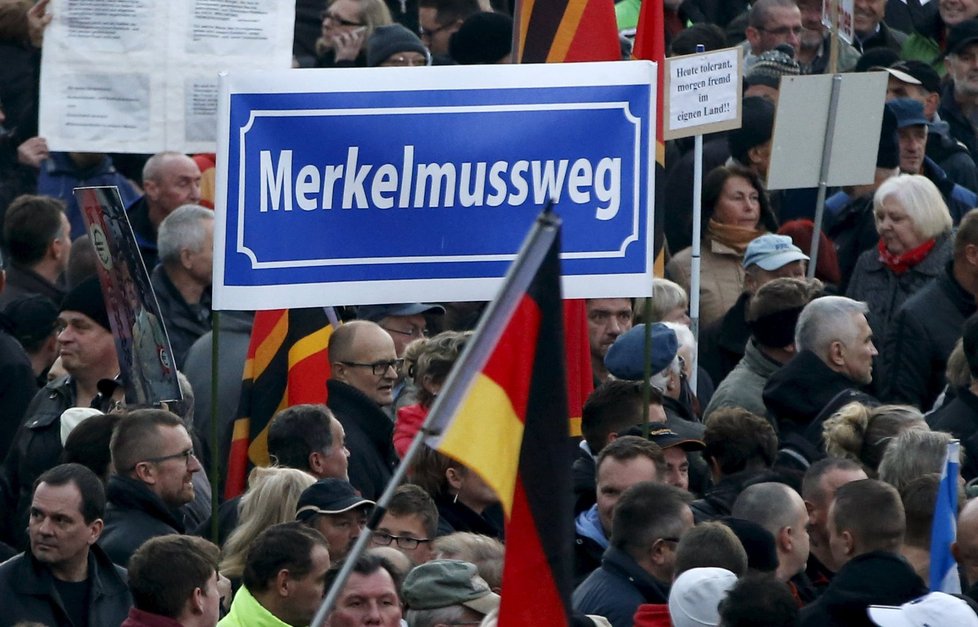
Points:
(617, 589)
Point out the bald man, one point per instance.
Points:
(364, 367)
(780, 510)
(965, 546)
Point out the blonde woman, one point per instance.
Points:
(271, 499)
(862, 433)
(346, 26)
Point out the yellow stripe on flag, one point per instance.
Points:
(310, 345)
(564, 36)
(486, 436)
(270, 345)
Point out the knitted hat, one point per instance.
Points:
(386, 41)
(771, 66)
(483, 38)
(87, 298)
(34, 318)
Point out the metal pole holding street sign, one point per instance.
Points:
(703, 95)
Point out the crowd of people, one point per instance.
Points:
(780, 467)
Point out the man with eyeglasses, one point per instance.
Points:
(404, 323)
(363, 370)
(439, 19)
(770, 23)
(409, 524)
(154, 462)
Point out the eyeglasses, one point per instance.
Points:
(431, 33)
(326, 15)
(379, 368)
(784, 31)
(403, 542)
(184, 455)
(414, 332)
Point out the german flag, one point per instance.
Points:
(650, 45)
(554, 31)
(511, 428)
(286, 365)
(580, 380)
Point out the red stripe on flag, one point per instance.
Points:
(596, 38)
(511, 363)
(530, 595)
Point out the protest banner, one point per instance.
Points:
(702, 93)
(145, 358)
(385, 185)
(142, 75)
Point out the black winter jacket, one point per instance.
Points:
(877, 578)
(369, 433)
(920, 339)
(133, 515)
(27, 592)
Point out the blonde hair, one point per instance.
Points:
(667, 296)
(373, 13)
(434, 358)
(862, 433)
(271, 499)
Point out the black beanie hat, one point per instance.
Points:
(87, 298)
(483, 38)
(756, 127)
(385, 41)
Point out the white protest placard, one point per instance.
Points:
(845, 9)
(142, 75)
(702, 93)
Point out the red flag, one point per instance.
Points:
(650, 44)
(511, 429)
(577, 350)
(287, 365)
(552, 31)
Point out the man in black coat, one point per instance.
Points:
(925, 329)
(154, 461)
(364, 368)
(866, 529)
(637, 568)
(960, 416)
(65, 578)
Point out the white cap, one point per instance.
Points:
(930, 610)
(694, 600)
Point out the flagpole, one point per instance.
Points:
(215, 470)
(471, 361)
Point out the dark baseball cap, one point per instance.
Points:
(924, 75)
(376, 313)
(908, 112)
(329, 496)
(961, 35)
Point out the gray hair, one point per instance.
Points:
(182, 230)
(661, 379)
(920, 198)
(913, 454)
(451, 615)
(153, 169)
(826, 320)
(667, 296)
(761, 11)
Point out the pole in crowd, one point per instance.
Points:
(467, 385)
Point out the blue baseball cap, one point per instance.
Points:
(771, 251)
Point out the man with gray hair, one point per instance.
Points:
(770, 23)
(834, 359)
(170, 179)
(182, 281)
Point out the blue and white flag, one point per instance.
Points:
(943, 568)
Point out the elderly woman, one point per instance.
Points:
(347, 24)
(914, 226)
(735, 211)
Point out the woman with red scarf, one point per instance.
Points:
(915, 244)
